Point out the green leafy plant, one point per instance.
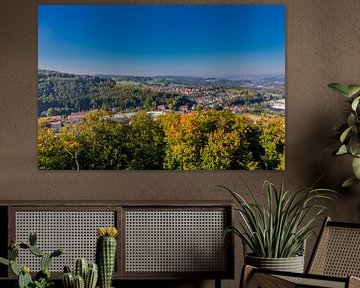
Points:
(43, 283)
(349, 132)
(42, 278)
(279, 229)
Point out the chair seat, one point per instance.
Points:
(335, 262)
(314, 282)
(269, 279)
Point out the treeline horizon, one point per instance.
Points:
(199, 140)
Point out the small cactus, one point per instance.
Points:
(36, 251)
(14, 268)
(91, 276)
(80, 268)
(32, 238)
(23, 273)
(44, 273)
(68, 280)
(106, 254)
(79, 282)
(24, 280)
(88, 273)
(67, 269)
(45, 261)
(25, 269)
(57, 252)
(13, 253)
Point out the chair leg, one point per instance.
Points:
(250, 278)
(246, 274)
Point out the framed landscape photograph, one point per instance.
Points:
(161, 87)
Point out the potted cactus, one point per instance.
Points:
(106, 254)
(42, 278)
(84, 275)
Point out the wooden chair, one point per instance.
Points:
(335, 262)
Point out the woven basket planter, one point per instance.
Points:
(291, 264)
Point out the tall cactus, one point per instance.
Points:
(106, 254)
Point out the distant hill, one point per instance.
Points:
(178, 80)
(67, 93)
(64, 93)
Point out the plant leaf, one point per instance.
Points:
(342, 150)
(356, 167)
(14, 268)
(340, 88)
(354, 145)
(351, 120)
(353, 89)
(349, 182)
(345, 134)
(4, 261)
(355, 103)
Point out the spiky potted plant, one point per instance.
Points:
(274, 234)
(349, 131)
(42, 278)
(106, 254)
(84, 274)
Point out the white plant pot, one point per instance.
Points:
(291, 264)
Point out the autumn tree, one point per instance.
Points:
(50, 149)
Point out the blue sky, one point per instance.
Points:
(148, 40)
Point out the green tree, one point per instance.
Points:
(248, 154)
(104, 141)
(272, 140)
(220, 150)
(69, 139)
(145, 143)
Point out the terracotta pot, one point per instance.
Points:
(291, 264)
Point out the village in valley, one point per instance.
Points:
(254, 96)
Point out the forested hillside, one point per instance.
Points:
(65, 93)
(62, 93)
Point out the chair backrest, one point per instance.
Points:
(337, 251)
